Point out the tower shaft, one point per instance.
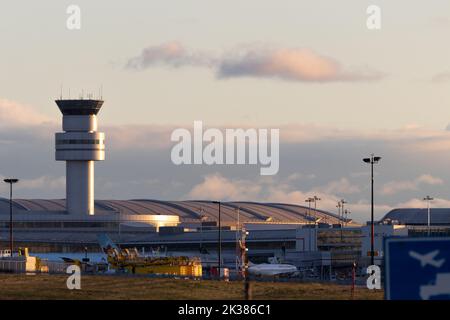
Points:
(80, 187)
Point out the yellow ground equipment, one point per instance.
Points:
(129, 260)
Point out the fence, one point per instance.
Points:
(15, 266)
(54, 267)
(21, 266)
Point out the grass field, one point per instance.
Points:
(15, 286)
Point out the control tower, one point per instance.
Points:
(80, 145)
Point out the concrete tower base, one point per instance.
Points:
(80, 187)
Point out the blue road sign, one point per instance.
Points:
(417, 268)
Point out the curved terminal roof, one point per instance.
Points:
(418, 216)
(188, 211)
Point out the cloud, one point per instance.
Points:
(14, 114)
(429, 179)
(440, 21)
(47, 182)
(258, 61)
(315, 160)
(442, 77)
(394, 187)
(404, 139)
(19, 123)
(39, 183)
(341, 186)
(216, 186)
(138, 137)
(420, 203)
(300, 176)
(294, 64)
(172, 54)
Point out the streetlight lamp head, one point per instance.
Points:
(376, 159)
(366, 160)
(11, 180)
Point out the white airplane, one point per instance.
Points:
(427, 258)
(271, 269)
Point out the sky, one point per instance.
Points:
(336, 90)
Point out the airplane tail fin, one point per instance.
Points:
(440, 263)
(106, 243)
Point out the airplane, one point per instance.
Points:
(70, 260)
(427, 258)
(272, 269)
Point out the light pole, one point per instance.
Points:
(238, 230)
(309, 200)
(316, 198)
(428, 199)
(219, 248)
(347, 212)
(339, 209)
(202, 218)
(247, 284)
(372, 160)
(343, 202)
(120, 227)
(11, 181)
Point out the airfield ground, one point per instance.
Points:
(15, 286)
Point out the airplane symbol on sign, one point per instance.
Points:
(428, 258)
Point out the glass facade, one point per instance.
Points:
(61, 224)
(80, 141)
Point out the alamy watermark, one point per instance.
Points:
(73, 21)
(74, 280)
(374, 279)
(235, 146)
(373, 21)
